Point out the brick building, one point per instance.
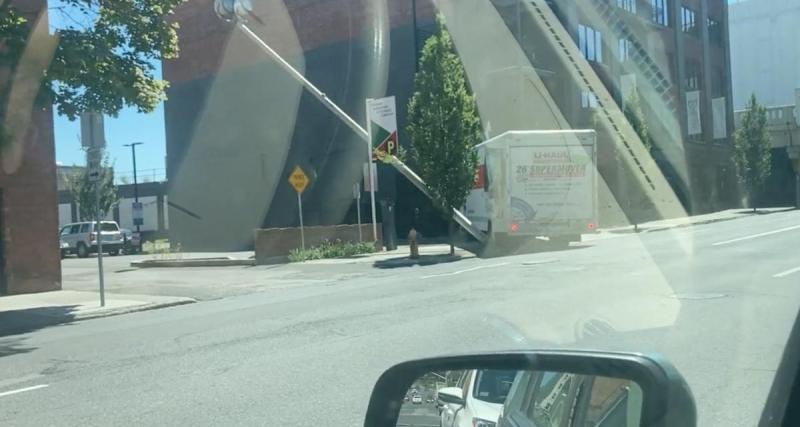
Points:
(29, 254)
(236, 124)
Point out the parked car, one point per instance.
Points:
(483, 393)
(81, 238)
(417, 399)
(63, 247)
(131, 241)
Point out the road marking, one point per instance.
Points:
(786, 273)
(753, 236)
(12, 381)
(465, 271)
(22, 390)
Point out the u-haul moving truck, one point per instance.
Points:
(536, 183)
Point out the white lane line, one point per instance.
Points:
(465, 271)
(753, 236)
(12, 381)
(786, 273)
(22, 390)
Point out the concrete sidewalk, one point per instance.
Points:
(23, 313)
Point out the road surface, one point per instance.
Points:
(718, 300)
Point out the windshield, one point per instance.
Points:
(108, 226)
(313, 191)
(493, 385)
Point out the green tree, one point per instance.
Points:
(443, 124)
(639, 203)
(633, 112)
(752, 149)
(83, 192)
(103, 59)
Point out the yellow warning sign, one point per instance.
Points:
(298, 179)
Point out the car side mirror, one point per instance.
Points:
(538, 388)
(451, 395)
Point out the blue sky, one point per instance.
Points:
(128, 127)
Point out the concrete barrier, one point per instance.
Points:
(272, 243)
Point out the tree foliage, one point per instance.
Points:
(83, 191)
(752, 149)
(443, 122)
(633, 112)
(104, 56)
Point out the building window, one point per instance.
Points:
(588, 99)
(714, 31)
(625, 49)
(660, 12)
(590, 42)
(629, 5)
(687, 20)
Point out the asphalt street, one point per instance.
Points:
(718, 300)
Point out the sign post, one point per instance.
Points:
(93, 140)
(299, 181)
(382, 130)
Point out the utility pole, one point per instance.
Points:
(135, 186)
(414, 33)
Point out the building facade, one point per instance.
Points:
(782, 186)
(766, 60)
(237, 124)
(29, 253)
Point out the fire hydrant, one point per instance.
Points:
(412, 244)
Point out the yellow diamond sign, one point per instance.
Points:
(298, 179)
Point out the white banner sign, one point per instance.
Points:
(719, 118)
(382, 120)
(693, 124)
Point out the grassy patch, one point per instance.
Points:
(328, 249)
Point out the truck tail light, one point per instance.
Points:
(590, 226)
(514, 227)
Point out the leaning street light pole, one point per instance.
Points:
(239, 11)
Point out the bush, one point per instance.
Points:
(328, 249)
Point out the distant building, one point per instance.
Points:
(152, 196)
(783, 122)
(29, 252)
(766, 57)
(237, 124)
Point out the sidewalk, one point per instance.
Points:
(689, 221)
(27, 312)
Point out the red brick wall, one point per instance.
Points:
(29, 216)
(277, 242)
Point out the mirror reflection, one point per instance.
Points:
(510, 398)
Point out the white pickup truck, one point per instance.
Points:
(535, 184)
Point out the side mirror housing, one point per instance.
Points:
(451, 395)
(648, 386)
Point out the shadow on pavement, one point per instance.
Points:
(764, 212)
(14, 322)
(12, 346)
(423, 260)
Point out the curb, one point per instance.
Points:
(134, 309)
(692, 224)
(208, 262)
